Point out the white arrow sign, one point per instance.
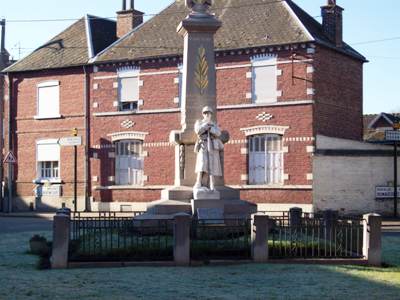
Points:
(71, 141)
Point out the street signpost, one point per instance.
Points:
(394, 136)
(10, 159)
(73, 141)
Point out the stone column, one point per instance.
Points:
(259, 238)
(199, 82)
(182, 239)
(61, 235)
(372, 239)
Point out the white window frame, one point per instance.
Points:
(266, 180)
(263, 61)
(135, 176)
(39, 177)
(47, 84)
(125, 73)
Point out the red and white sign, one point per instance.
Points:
(10, 158)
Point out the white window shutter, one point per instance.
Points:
(48, 152)
(129, 89)
(48, 101)
(265, 84)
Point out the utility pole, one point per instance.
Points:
(396, 127)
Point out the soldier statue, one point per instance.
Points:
(208, 148)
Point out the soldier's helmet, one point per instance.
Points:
(207, 109)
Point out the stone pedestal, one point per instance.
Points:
(372, 239)
(259, 238)
(182, 239)
(61, 232)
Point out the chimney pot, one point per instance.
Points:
(128, 18)
(332, 22)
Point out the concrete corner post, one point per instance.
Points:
(61, 234)
(372, 239)
(182, 239)
(259, 238)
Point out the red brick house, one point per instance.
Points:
(282, 79)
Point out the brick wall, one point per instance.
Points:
(336, 79)
(27, 130)
(338, 83)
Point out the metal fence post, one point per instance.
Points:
(372, 239)
(295, 214)
(259, 238)
(182, 239)
(61, 235)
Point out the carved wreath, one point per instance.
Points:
(201, 74)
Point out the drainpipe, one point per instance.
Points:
(10, 147)
(2, 89)
(87, 139)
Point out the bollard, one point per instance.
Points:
(259, 238)
(182, 239)
(372, 239)
(61, 233)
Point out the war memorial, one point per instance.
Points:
(200, 220)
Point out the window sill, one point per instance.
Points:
(131, 187)
(50, 181)
(47, 118)
(271, 187)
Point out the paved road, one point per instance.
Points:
(11, 225)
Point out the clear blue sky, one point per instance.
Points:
(366, 20)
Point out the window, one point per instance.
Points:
(128, 90)
(48, 160)
(264, 83)
(129, 162)
(265, 159)
(48, 100)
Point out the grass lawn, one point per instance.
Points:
(20, 280)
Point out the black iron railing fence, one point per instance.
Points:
(220, 239)
(122, 237)
(111, 237)
(316, 238)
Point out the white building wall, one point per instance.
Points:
(347, 183)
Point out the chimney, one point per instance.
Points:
(3, 36)
(332, 22)
(128, 18)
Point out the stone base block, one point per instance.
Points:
(204, 193)
(206, 203)
(179, 193)
(169, 207)
(228, 193)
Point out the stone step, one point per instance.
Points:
(177, 193)
(169, 207)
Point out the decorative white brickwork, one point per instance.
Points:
(264, 117)
(127, 124)
(310, 149)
